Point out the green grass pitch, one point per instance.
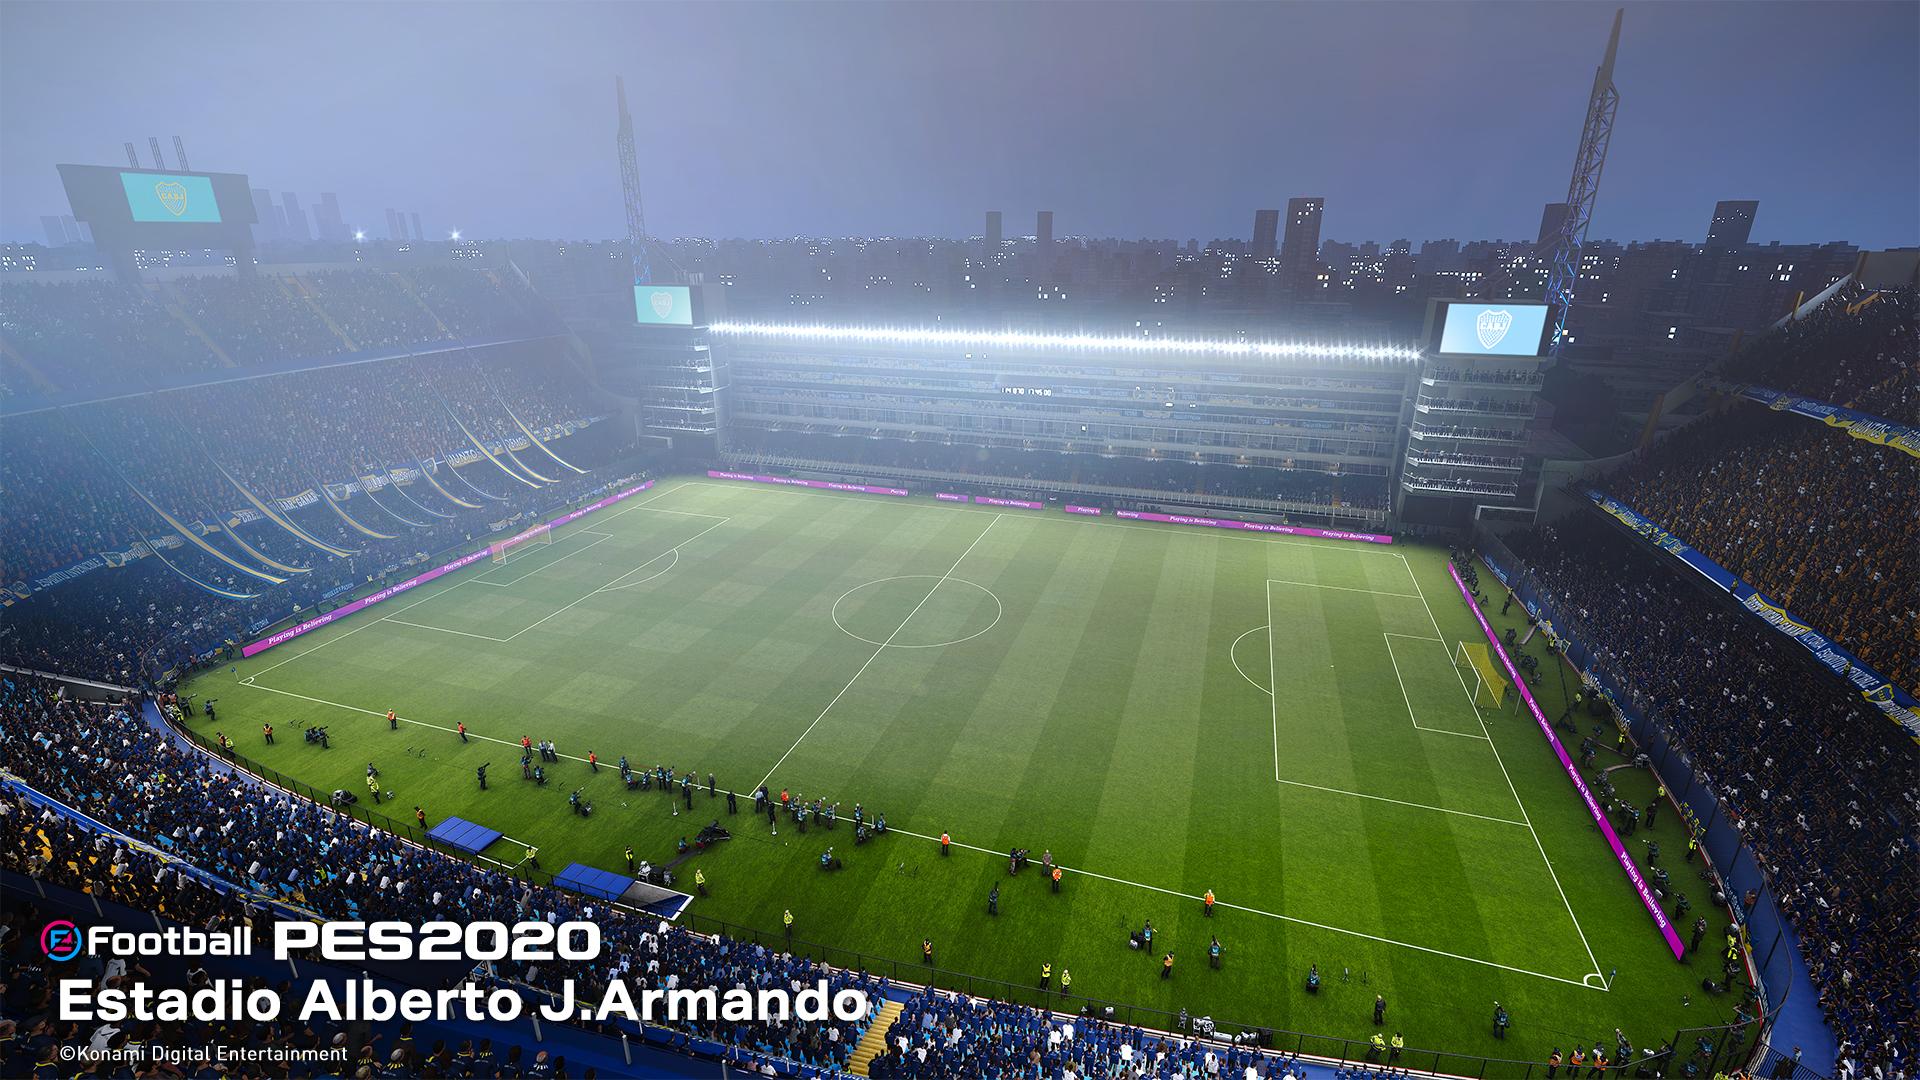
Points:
(1022, 678)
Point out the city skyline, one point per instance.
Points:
(1155, 122)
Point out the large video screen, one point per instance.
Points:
(663, 305)
(164, 197)
(1494, 329)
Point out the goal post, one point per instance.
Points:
(1490, 687)
(505, 549)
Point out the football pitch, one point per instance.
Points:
(1168, 710)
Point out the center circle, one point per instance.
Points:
(917, 611)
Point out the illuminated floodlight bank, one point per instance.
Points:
(1014, 339)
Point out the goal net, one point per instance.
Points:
(506, 549)
(1490, 687)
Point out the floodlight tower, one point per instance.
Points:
(630, 187)
(1595, 134)
(180, 154)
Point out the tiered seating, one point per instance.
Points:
(1826, 524)
(1165, 479)
(102, 335)
(94, 333)
(1824, 788)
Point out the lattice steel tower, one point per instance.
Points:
(630, 187)
(1595, 135)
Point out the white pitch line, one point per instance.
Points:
(569, 607)
(1270, 914)
(674, 551)
(1408, 699)
(673, 557)
(1354, 548)
(1342, 588)
(444, 630)
(1403, 802)
(1063, 867)
(881, 649)
(1236, 659)
(464, 579)
(1542, 848)
(603, 538)
(1273, 681)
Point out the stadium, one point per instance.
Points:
(1220, 678)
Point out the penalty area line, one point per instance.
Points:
(1584, 984)
(1329, 928)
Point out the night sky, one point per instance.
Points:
(1422, 120)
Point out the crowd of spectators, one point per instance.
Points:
(99, 335)
(131, 624)
(63, 468)
(1860, 349)
(109, 764)
(1825, 524)
(1824, 789)
(91, 333)
(944, 1035)
(1035, 470)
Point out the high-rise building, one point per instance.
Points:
(1266, 227)
(994, 237)
(1732, 223)
(396, 230)
(1551, 220)
(418, 236)
(327, 223)
(1301, 240)
(1043, 239)
(56, 235)
(267, 219)
(296, 217)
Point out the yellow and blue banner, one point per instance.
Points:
(1899, 705)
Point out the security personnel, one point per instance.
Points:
(946, 844)
(461, 729)
(373, 786)
(1166, 966)
(926, 951)
(700, 882)
(786, 918)
(1066, 982)
(1376, 1046)
(1398, 1044)
(1056, 879)
(593, 761)
(267, 730)
(629, 858)
(1553, 1063)
(1693, 845)
(1046, 976)
(1207, 900)
(420, 816)
(1578, 1059)
(533, 856)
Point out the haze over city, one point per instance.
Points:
(1414, 120)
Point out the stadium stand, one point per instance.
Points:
(93, 485)
(106, 336)
(1825, 524)
(105, 762)
(1860, 349)
(1824, 789)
